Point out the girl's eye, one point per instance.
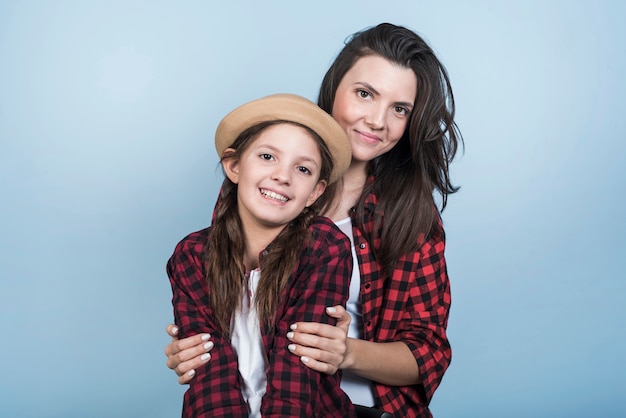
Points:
(304, 170)
(266, 157)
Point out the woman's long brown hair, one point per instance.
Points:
(407, 175)
(225, 271)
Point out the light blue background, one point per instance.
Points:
(107, 113)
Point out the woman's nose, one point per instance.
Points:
(375, 118)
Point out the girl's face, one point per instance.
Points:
(277, 177)
(372, 104)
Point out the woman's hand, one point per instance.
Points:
(184, 356)
(322, 347)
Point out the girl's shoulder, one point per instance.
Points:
(325, 232)
(194, 242)
(323, 225)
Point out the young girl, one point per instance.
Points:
(266, 262)
(392, 96)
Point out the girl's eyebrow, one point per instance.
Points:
(277, 150)
(374, 91)
(307, 159)
(269, 146)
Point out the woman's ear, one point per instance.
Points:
(230, 165)
(317, 192)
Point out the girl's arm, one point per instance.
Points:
(215, 390)
(322, 279)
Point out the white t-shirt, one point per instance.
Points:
(358, 388)
(247, 343)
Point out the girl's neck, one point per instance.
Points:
(256, 241)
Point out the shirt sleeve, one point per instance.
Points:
(322, 279)
(215, 390)
(424, 321)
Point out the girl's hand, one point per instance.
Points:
(322, 347)
(184, 356)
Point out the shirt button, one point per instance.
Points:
(369, 324)
(367, 286)
(362, 245)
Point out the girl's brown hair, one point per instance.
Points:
(223, 257)
(407, 175)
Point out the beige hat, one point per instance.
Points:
(292, 108)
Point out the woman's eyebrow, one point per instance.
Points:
(368, 86)
(374, 91)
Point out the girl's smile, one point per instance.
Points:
(277, 176)
(273, 195)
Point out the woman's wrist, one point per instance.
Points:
(349, 359)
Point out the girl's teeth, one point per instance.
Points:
(274, 196)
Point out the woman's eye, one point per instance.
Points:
(363, 94)
(402, 110)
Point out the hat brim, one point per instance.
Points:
(293, 108)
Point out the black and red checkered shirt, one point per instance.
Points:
(320, 279)
(412, 306)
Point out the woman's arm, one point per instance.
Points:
(391, 364)
(322, 347)
(186, 355)
(417, 349)
(326, 348)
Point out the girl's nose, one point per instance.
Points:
(281, 174)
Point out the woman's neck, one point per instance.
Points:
(349, 192)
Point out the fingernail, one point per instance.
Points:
(175, 330)
(291, 347)
(293, 326)
(208, 345)
(331, 309)
(290, 335)
(206, 337)
(191, 373)
(304, 359)
(205, 357)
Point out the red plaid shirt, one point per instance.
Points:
(320, 279)
(412, 306)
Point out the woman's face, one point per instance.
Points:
(373, 103)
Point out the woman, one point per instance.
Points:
(393, 98)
